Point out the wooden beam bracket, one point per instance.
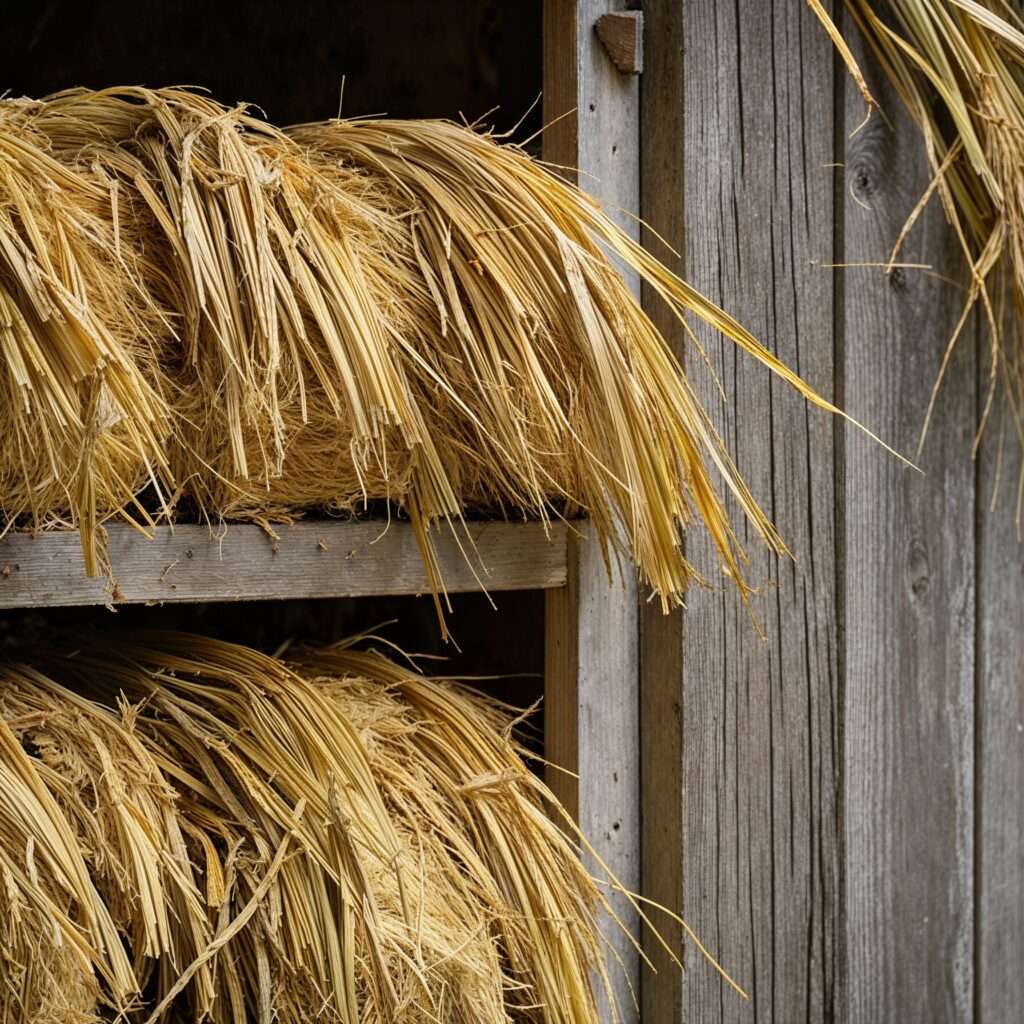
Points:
(622, 35)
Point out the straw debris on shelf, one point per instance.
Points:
(197, 829)
(376, 311)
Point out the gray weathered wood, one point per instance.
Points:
(999, 901)
(761, 729)
(309, 559)
(592, 685)
(661, 636)
(909, 565)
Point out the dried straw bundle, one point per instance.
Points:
(98, 889)
(409, 312)
(340, 839)
(541, 377)
(82, 419)
(969, 56)
(280, 321)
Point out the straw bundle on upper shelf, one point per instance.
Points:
(958, 66)
(83, 423)
(379, 310)
(194, 827)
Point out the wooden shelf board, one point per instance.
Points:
(324, 558)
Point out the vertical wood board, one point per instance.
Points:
(909, 596)
(595, 619)
(999, 692)
(761, 838)
(661, 636)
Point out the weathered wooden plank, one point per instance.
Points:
(999, 908)
(661, 636)
(243, 563)
(594, 624)
(909, 649)
(761, 730)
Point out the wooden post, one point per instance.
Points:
(591, 685)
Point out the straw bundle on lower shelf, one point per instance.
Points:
(193, 827)
(350, 312)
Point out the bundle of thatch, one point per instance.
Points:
(406, 312)
(193, 827)
(82, 420)
(958, 66)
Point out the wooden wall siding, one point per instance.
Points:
(851, 820)
(591, 682)
(909, 558)
(999, 810)
(761, 730)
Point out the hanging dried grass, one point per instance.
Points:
(968, 55)
(405, 312)
(542, 380)
(83, 422)
(209, 832)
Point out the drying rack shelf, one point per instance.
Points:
(322, 558)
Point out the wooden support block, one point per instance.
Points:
(622, 33)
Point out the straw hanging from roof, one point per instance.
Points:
(958, 66)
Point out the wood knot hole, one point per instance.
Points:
(919, 570)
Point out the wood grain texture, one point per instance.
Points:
(242, 563)
(622, 35)
(596, 618)
(999, 832)
(908, 725)
(761, 772)
(661, 636)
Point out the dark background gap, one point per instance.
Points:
(444, 58)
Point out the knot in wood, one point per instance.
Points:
(865, 158)
(862, 182)
(918, 570)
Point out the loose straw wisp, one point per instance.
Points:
(958, 67)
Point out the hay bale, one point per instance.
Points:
(339, 839)
(96, 885)
(281, 325)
